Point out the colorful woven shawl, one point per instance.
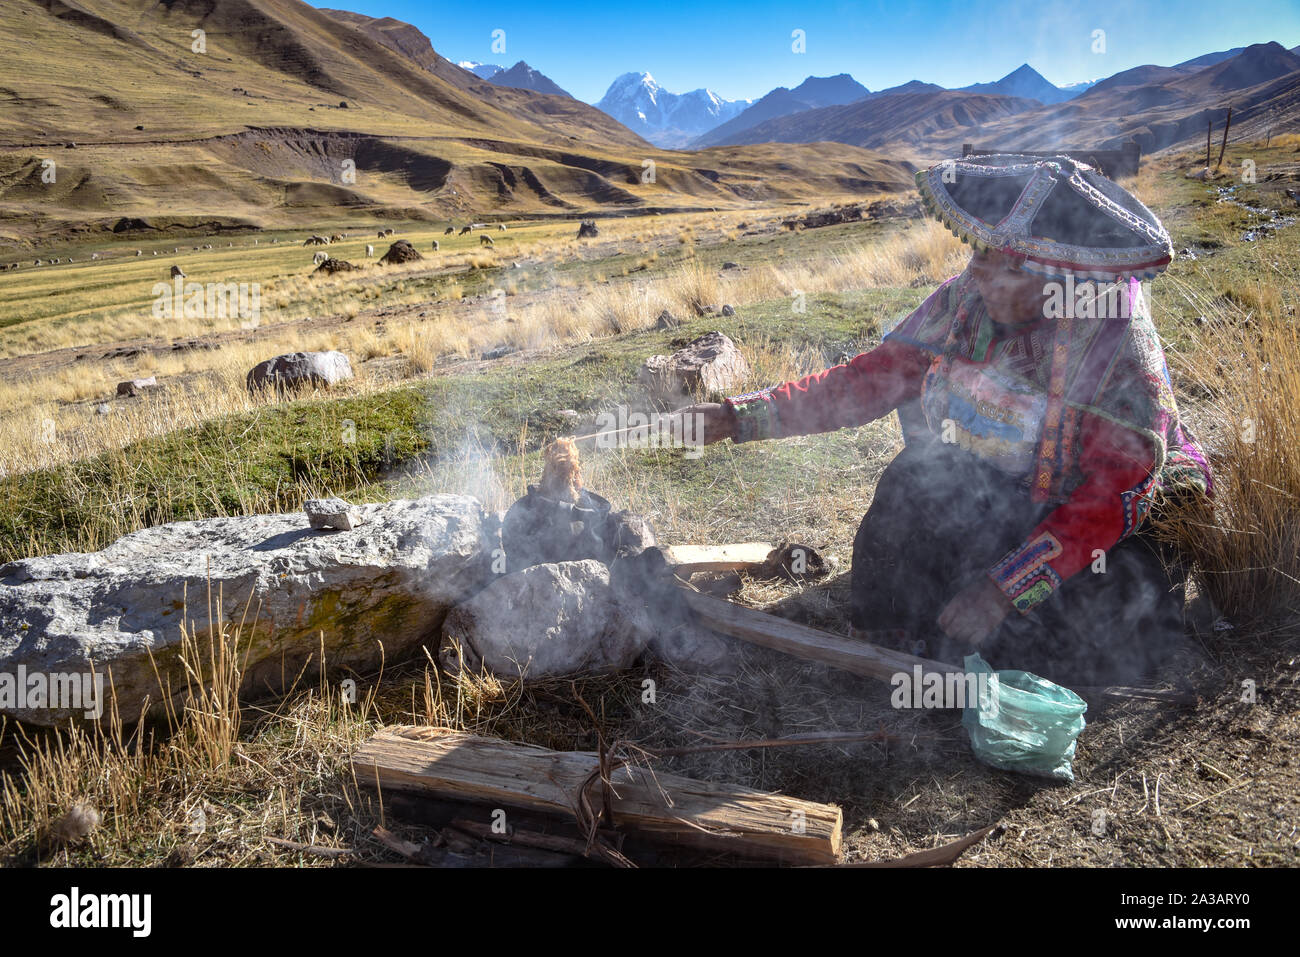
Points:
(1113, 368)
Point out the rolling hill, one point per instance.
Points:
(250, 112)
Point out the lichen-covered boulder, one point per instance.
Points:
(301, 592)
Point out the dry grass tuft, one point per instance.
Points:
(1246, 359)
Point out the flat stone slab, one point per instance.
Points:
(389, 581)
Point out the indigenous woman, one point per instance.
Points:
(1040, 431)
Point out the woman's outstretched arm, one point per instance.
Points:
(872, 385)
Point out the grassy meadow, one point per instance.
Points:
(230, 782)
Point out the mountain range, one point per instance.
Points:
(812, 93)
(1155, 106)
(1026, 83)
(521, 76)
(839, 108)
(287, 113)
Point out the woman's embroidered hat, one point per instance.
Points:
(1061, 215)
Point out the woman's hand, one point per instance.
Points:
(975, 612)
(716, 422)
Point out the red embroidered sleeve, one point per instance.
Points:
(870, 386)
(1106, 507)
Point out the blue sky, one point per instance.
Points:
(742, 48)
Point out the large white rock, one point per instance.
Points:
(548, 620)
(709, 364)
(295, 370)
(391, 581)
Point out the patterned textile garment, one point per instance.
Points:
(1077, 412)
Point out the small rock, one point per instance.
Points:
(696, 650)
(497, 352)
(667, 320)
(575, 623)
(730, 265)
(80, 821)
(132, 387)
(103, 409)
(332, 513)
(728, 310)
(329, 265)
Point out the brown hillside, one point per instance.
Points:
(257, 129)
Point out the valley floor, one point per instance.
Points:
(1211, 782)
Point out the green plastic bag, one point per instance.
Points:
(1022, 722)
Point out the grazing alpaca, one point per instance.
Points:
(485, 240)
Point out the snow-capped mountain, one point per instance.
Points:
(484, 71)
(670, 120)
(1074, 89)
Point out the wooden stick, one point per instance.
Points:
(1224, 145)
(796, 741)
(666, 807)
(407, 849)
(689, 559)
(623, 431)
(858, 657)
(935, 857)
(315, 849)
(779, 634)
(545, 842)
(467, 853)
(1178, 698)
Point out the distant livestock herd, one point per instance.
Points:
(586, 230)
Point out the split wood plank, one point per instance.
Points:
(686, 560)
(780, 634)
(666, 807)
